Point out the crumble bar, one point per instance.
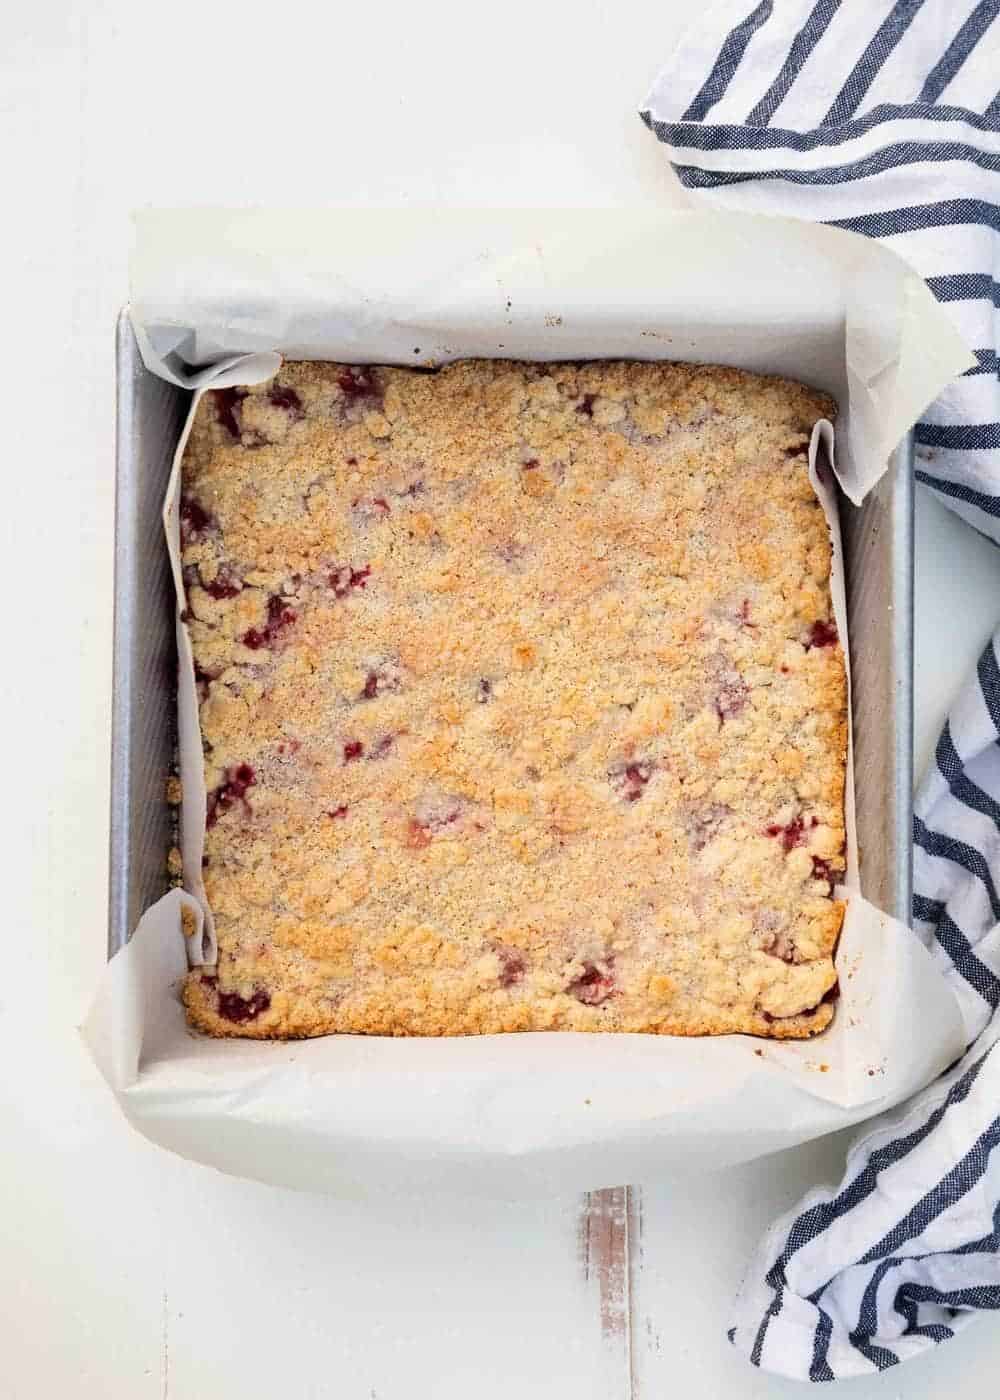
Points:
(522, 703)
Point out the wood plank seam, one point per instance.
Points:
(610, 1250)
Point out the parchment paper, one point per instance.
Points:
(214, 297)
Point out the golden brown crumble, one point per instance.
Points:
(522, 703)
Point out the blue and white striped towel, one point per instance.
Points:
(883, 116)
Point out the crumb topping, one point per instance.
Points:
(522, 703)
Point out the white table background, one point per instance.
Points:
(125, 1273)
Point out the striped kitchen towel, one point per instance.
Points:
(874, 116)
(883, 116)
(906, 1250)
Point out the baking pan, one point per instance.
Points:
(878, 557)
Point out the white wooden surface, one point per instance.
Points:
(127, 1274)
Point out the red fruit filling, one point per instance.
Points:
(202, 678)
(381, 747)
(630, 781)
(227, 403)
(512, 964)
(822, 634)
(282, 397)
(278, 613)
(437, 816)
(636, 777)
(338, 812)
(224, 585)
(793, 833)
(227, 794)
(381, 678)
(344, 578)
(357, 383)
(195, 519)
(370, 507)
(233, 1007)
(592, 986)
(353, 749)
(279, 616)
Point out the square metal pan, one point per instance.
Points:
(878, 550)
